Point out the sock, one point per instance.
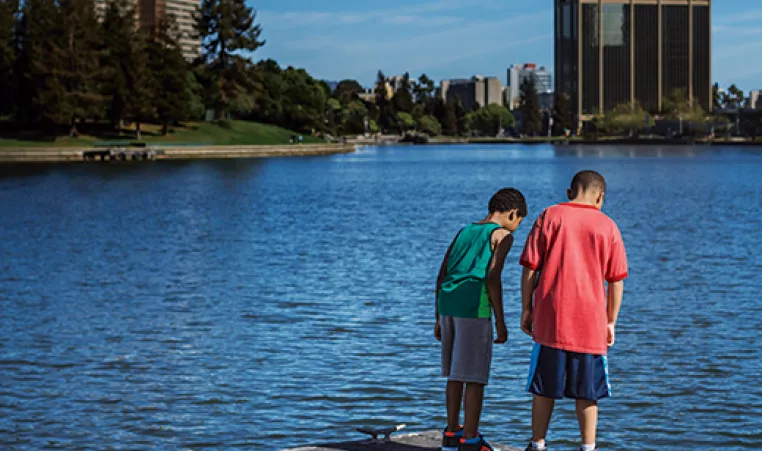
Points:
(587, 447)
(539, 446)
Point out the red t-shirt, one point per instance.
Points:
(575, 247)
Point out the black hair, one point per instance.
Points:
(508, 199)
(585, 180)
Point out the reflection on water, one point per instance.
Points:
(258, 303)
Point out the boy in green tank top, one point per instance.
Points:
(469, 290)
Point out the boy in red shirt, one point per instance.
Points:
(572, 250)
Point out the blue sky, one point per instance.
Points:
(338, 39)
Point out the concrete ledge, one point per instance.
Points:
(56, 155)
(422, 441)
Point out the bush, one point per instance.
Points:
(224, 123)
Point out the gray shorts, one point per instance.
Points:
(466, 349)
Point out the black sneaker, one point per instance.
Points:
(477, 444)
(451, 440)
(529, 448)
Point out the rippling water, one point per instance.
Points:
(263, 303)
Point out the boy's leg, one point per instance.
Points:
(454, 400)
(547, 375)
(587, 382)
(542, 411)
(587, 415)
(472, 356)
(473, 407)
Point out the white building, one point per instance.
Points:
(518, 73)
(755, 99)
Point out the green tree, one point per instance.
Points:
(303, 102)
(562, 115)
(430, 125)
(406, 121)
(173, 95)
(530, 106)
(8, 25)
(676, 106)
(347, 91)
(386, 116)
(444, 112)
(62, 52)
(626, 119)
(491, 120)
(119, 36)
(195, 93)
(140, 102)
(353, 118)
(227, 28)
(423, 92)
(716, 99)
(736, 97)
(403, 99)
(332, 115)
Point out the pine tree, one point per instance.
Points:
(530, 106)
(61, 56)
(8, 27)
(562, 117)
(170, 70)
(403, 100)
(78, 63)
(386, 118)
(226, 28)
(119, 35)
(140, 80)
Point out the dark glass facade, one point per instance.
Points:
(675, 49)
(567, 37)
(616, 55)
(647, 56)
(591, 60)
(701, 51)
(609, 53)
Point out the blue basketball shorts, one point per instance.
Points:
(558, 374)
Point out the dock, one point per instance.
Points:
(118, 154)
(420, 441)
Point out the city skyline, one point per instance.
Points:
(452, 39)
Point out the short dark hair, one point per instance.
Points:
(585, 180)
(508, 199)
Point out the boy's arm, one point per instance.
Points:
(440, 280)
(615, 294)
(495, 283)
(528, 285)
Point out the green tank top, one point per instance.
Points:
(464, 293)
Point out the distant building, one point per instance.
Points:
(517, 73)
(615, 52)
(474, 92)
(396, 82)
(755, 99)
(150, 13)
(368, 95)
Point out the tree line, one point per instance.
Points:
(64, 63)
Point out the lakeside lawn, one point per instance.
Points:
(228, 133)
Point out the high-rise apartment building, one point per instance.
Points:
(149, 14)
(613, 52)
(474, 92)
(518, 73)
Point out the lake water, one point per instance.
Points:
(256, 304)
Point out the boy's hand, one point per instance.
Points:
(526, 322)
(502, 333)
(610, 334)
(437, 331)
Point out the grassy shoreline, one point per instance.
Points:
(227, 133)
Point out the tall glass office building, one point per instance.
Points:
(613, 52)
